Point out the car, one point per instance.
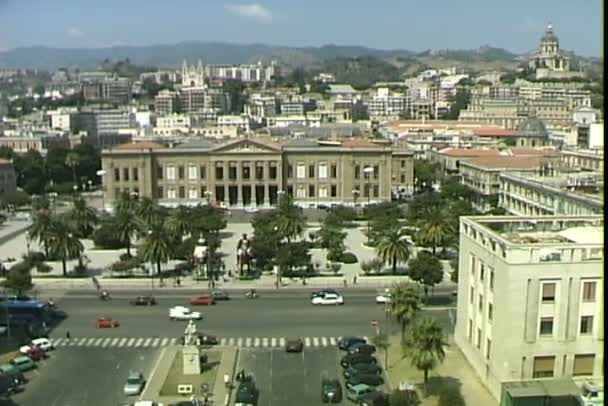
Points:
(42, 343)
(106, 322)
(220, 295)
(183, 313)
(351, 359)
(328, 299)
(23, 364)
(146, 403)
(358, 392)
(11, 371)
(187, 403)
(135, 384)
(331, 391)
(37, 354)
(355, 369)
(383, 298)
(294, 345)
(367, 379)
(246, 393)
(143, 301)
(346, 342)
(322, 292)
(202, 300)
(361, 349)
(376, 398)
(204, 339)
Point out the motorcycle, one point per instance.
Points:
(251, 295)
(104, 295)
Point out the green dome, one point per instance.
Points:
(533, 127)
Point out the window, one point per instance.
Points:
(543, 367)
(180, 172)
(583, 364)
(116, 175)
(586, 324)
(323, 171)
(193, 194)
(402, 178)
(488, 348)
(480, 303)
(301, 171)
(125, 174)
(311, 171)
(470, 332)
(322, 191)
(273, 172)
(219, 172)
(589, 291)
(357, 171)
(246, 171)
(490, 311)
(311, 191)
(192, 175)
(402, 163)
(232, 172)
(204, 192)
(376, 189)
(171, 172)
(160, 192)
(259, 172)
(482, 269)
(491, 278)
(202, 171)
(473, 264)
(376, 171)
(546, 326)
(334, 171)
(182, 192)
(478, 338)
(159, 172)
(548, 292)
(472, 298)
(135, 174)
(171, 193)
(289, 170)
(334, 191)
(301, 192)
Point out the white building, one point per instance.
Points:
(388, 103)
(596, 135)
(530, 301)
(228, 121)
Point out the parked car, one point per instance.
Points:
(23, 364)
(106, 322)
(346, 342)
(351, 359)
(143, 301)
(203, 300)
(331, 391)
(355, 369)
(42, 343)
(361, 349)
(11, 371)
(375, 399)
(367, 379)
(183, 313)
(328, 299)
(358, 392)
(37, 354)
(220, 295)
(246, 393)
(294, 345)
(135, 384)
(323, 292)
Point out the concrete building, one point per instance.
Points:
(259, 72)
(549, 61)
(112, 90)
(40, 141)
(386, 103)
(110, 121)
(530, 297)
(8, 179)
(166, 102)
(590, 160)
(250, 172)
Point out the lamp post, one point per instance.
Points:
(369, 171)
(27, 242)
(90, 184)
(101, 173)
(75, 188)
(276, 255)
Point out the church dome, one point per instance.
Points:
(549, 35)
(532, 127)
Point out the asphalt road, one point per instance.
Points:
(85, 377)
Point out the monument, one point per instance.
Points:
(191, 351)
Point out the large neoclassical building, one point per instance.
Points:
(252, 172)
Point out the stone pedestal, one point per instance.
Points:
(192, 360)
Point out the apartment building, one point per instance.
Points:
(260, 106)
(200, 99)
(530, 302)
(259, 72)
(166, 102)
(388, 103)
(250, 172)
(8, 179)
(116, 90)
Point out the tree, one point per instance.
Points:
(381, 341)
(40, 228)
(435, 231)
(19, 278)
(290, 221)
(454, 274)
(404, 305)
(424, 345)
(64, 244)
(148, 211)
(393, 247)
(425, 173)
(31, 173)
(404, 398)
(156, 246)
(125, 202)
(82, 217)
(424, 206)
(180, 223)
(235, 89)
(426, 269)
(126, 227)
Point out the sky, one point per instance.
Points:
(416, 25)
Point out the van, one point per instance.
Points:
(357, 392)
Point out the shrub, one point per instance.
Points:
(334, 267)
(451, 396)
(125, 257)
(365, 267)
(105, 237)
(348, 258)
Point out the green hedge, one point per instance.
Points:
(348, 258)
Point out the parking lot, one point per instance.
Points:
(292, 379)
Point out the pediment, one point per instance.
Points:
(246, 146)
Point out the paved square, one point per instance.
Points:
(292, 379)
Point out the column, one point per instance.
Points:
(226, 195)
(267, 193)
(253, 201)
(239, 183)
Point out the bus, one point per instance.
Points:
(31, 316)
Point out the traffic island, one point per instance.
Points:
(176, 383)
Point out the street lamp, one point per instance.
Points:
(276, 255)
(369, 171)
(27, 242)
(101, 173)
(75, 187)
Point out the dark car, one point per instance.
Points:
(37, 354)
(367, 379)
(361, 349)
(331, 391)
(187, 403)
(142, 301)
(220, 295)
(294, 345)
(356, 369)
(247, 393)
(323, 292)
(204, 339)
(346, 342)
(351, 359)
(374, 399)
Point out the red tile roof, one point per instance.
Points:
(465, 152)
(507, 162)
(359, 143)
(140, 145)
(523, 151)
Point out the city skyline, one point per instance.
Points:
(516, 27)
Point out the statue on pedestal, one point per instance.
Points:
(244, 254)
(190, 335)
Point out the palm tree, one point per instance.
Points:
(126, 202)
(404, 304)
(180, 223)
(393, 247)
(424, 345)
(435, 231)
(147, 210)
(291, 222)
(82, 217)
(381, 341)
(64, 244)
(156, 245)
(39, 230)
(127, 226)
(72, 160)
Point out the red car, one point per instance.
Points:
(203, 300)
(37, 354)
(106, 322)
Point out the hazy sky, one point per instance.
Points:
(417, 25)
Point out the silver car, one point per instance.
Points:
(135, 384)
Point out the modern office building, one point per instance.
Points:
(530, 297)
(250, 172)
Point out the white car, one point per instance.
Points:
(328, 299)
(43, 343)
(183, 313)
(383, 298)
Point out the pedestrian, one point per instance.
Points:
(344, 280)
(179, 282)
(355, 280)
(227, 380)
(67, 335)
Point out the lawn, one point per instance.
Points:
(176, 377)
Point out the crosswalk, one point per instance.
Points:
(158, 342)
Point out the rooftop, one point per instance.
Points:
(582, 184)
(506, 162)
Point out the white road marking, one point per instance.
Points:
(223, 341)
(231, 341)
(98, 342)
(162, 353)
(81, 342)
(265, 342)
(324, 341)
(130, 342)
(155, 342)
(147, 342)
(164, 342)
(139, 342)
(282, 342)
(248, 342)
(307, 341)
(106, 341)
(114, 342)
(332, 340)
(273, 342)
(173, 341)
(90, 342)
(239, 342)
(122, 342)
(256, 342)
(57, 342)
(315, 341)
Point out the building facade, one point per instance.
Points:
(530, 297)
(251, 172)
(8, 179)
